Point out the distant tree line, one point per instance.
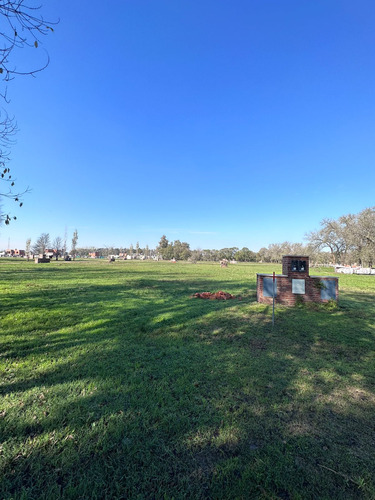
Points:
(106, 251)
(350, 239)
(168, 250)
(181, 251)
(232, 253)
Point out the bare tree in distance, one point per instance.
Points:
(332, 236)
(65, 238)
(350, 238)
(41, 244)
(74, 244)
(57, 245)
(22, 26)
(27, 248)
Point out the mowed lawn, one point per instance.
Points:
(115, 383)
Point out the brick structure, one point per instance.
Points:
(42, 259)
(295, 284)
(15, 253)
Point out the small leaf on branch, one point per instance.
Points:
(1, 70)
(36, 44)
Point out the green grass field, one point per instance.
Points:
(115, 383)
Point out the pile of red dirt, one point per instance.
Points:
(215, 296)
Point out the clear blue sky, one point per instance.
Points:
(220, 123)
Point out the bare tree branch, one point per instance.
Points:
(23, 26)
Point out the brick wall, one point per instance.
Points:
(284, 294)
(287, 265)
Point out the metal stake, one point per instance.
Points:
(273, 300)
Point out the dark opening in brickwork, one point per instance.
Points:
(298, 265)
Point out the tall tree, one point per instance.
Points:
(74, 244)
(245, 255)
(57, 245)
(181, 250)
(350, 238)
(228, 253)
(27, 248)
(64, 249)
(163, 243)
(22, 27)
(196, 255)
(167, 253)
(262, 255)
(360, 230)
(41, 244)
(332, 235)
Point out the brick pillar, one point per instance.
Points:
(287, 265)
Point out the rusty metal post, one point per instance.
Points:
(273, 299)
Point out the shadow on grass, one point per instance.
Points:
(143, 392)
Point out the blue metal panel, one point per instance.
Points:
(267, 287)
(329, 290)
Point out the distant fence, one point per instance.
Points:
(354, 270)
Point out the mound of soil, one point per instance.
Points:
(215, 296)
